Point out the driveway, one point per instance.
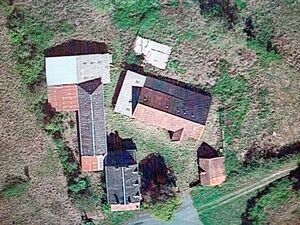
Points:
(185, 215)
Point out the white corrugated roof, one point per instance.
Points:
(155, 53)
(78, 69)
(61, 70)
(124, 104)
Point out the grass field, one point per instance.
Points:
(254, 91)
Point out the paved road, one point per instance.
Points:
(185, 215)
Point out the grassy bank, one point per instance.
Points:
(206, 199)
(281, 195)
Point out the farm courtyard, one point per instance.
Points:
(246, 54)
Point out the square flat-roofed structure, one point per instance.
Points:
(122, 180)
(212, 168)
(180, 110)
(154, 53)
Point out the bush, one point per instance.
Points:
(223, 9)
(14, 187)
(233, 92)
(65, 27)
(78, 185)
(30, 38)
(265, 56)
(261, 40)
(163, 210)
(6, 7)
(132, 58)
(175, 66)
(241, 4)
(138, 15)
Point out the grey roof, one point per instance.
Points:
(122, 176)
(123, 184)
(92, 129)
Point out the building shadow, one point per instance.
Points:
(77, 47)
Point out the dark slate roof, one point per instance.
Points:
(136, 91)
(77, 47)
(174, 99)
(92, 129)
(90, 86)
(122, 177)
(120, 158)
(123, 184)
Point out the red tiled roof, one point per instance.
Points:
(212, 171)
(168, 121)
(126, 207)
(63, 97)
(92, 163)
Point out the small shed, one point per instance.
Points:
(154, 53)
(211, 166)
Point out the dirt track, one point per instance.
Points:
(262, 183)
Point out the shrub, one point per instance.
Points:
(233, 92)
(14, 186)
(29, 38)
(5, 7)
(138, 15)
(132, 58)
(78, 185)
(220, 8)
(65, 27)
(175, 66)
(241, 4)
(264, 105)
(265, 56)
(163, 210)
(261, 40)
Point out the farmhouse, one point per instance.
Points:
(169, 105)
(75, 73)
(211, 165)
